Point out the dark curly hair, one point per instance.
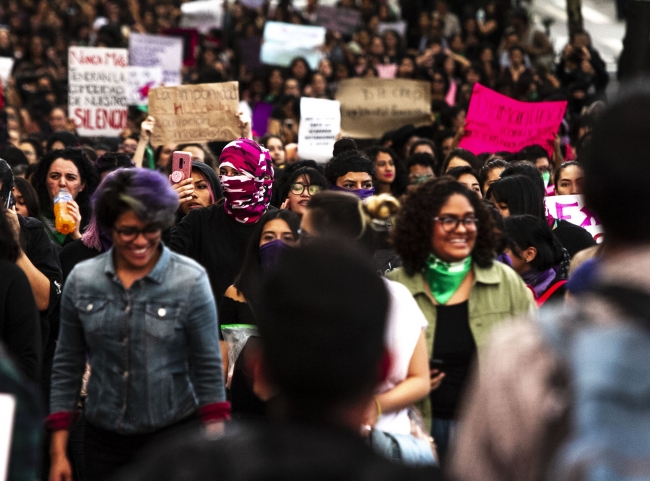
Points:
(348, 161)
(87, 172)
(414, 224)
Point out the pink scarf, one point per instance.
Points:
(248, 193)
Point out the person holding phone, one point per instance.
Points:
(446, 240)
(143, 315)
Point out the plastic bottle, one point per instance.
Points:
(63, 221)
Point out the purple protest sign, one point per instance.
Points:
(261, 114)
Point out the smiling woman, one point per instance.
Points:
(446, 239)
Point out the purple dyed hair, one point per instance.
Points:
(146, 192)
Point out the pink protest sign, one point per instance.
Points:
(496, 122)
(572, 209)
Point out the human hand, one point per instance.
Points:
(73, 210)
(436, 378)
(60, 469)
(286, 204)
(184, 189)
(245, 125)
(12, 217)
(146, 128)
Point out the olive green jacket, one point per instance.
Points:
(498, 293)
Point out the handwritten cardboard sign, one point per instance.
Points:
(496, 122)
(97, 90)
(571, 208)
(320, 123)
(195, 113)
(283, 42)
(338, 19)
(158, 51)
(371, 107)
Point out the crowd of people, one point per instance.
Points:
(268, 316)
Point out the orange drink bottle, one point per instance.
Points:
(63, 221)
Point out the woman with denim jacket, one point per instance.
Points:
(142, 315)
(446, 240)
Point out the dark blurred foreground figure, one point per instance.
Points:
(597, 348)
(324, 373)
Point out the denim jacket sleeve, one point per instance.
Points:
(70, 356)
(203, 339)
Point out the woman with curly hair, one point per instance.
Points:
(446, 239)
(71, 170)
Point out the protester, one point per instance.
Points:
(460, 158)
(446, 240)
(71, 170)
(201, 190)
(419, 168)
(466, 176)
(160, 289)
(302, 183)
(569, 179)
(216, 237)
(276, 150)
(490, 173)
(26, 199)
(351, 171)
(537, 256)
(324, 388)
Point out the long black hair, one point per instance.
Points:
(524, 231)
(520, 193)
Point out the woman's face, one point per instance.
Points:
(516, 58)
(458, 244)
(471, 182)
(492, 176)
(355, 181)
(29, 151)
(276, 80)
(457, 162)
(377, 46)
(276, 150)
(438, 84)
(201, 194)
(318, 84)
(166, 155)
(135, 243)
(518, 263)
(299, 70)
(197, 153)
(384, 168)
(406, 67)
(277, 229)
(325, 68)
(472, 76)
(63, 174)
(570, 181)
(21, 208)
(502, 206)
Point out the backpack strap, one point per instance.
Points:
(549, 292)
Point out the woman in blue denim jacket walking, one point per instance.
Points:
(142, 315)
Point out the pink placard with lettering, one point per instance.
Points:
(496, 122)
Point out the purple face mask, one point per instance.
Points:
(271, 252)
(360, 193)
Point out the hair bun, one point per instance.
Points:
(381, 207)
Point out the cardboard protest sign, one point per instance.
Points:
(399, 27)
(371, 107)
(338, 19)
(496, 122)
(158, 51)
(195, 113)
(6, 66)
(320, 123)
(190, 38)
(285, 41)
(141, 80)
(202, 15)
(97, 90)
(572, 209)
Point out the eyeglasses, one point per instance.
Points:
(450, 224)
(129, 234)
(298, 189)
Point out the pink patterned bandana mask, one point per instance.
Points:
(247, 194)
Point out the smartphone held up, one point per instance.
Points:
(181, 166)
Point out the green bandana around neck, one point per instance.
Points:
(444, 278)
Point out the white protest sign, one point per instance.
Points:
(7, 411)
(141, 80)
(571, 208)
(320, 124)
(158, 51)
(97, 90)
(285, 41)
(6, 65)
(203, 15)
(399, 27)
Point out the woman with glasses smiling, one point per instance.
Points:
(446, 240)
(143, 315)
(303, 183)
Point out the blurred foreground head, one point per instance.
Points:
(617, 169)
(322, 319)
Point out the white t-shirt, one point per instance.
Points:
(403, 328)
